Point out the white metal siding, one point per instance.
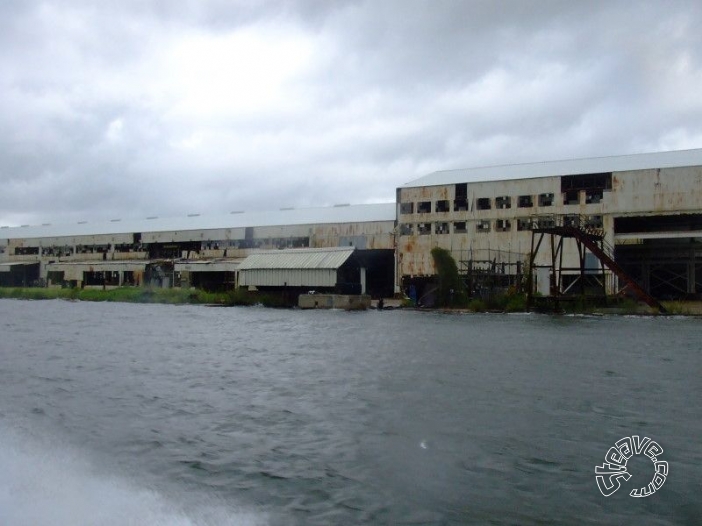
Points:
(288, 277)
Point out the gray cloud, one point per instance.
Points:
(130, 109)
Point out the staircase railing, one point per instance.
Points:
(592, 236)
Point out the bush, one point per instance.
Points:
(451, 291)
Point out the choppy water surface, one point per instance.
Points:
(145, 414)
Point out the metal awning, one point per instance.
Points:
(208, 266)
(307, 267)
(8, 266)
(304, 258)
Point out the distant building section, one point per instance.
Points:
(195, 250)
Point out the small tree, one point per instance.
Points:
(451, 291)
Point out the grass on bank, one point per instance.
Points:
(144, 295)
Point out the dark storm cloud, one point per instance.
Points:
(131, 108)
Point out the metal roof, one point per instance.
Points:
(286, 217)
(303, 258)
(618, 163)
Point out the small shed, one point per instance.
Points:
(314, 268)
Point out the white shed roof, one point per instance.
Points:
(303, 258)
(285, 217)
(617, 163)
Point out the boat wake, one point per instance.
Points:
(43, 483)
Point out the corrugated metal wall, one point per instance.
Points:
(288, 277)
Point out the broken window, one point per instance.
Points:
(424, 207)
(442, 228)
(461, 201)
(424, 229)
(442, 206)
(503, 202)
(571, 220)
(601, 181)
(406, 229)
(503, 225)
(545, 199)
(524, 224)
(26, 251)
(546, 222)
(460, 205)
(459, 227)
(482, 226)
(594, 222)
(406, 208)
(483, 203)
(593, 196)
(525, 201)
(571, 197)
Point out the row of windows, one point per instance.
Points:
(499, 225)
(570, 197)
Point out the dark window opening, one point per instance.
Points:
(26, 251)
(483, 203)
(546, 222)
(459, 227)
(503, 202)
(523, 224)
(593, 196)
(55, 277)
(571, 197)
(594, 222)
(482, 226)
(462, 191)
(442, 228)
(104, 278)
(670, 223)
(442, 206)
(545, 199)
(424, 228)
(601, 181)
(525, 201)
(503, 225)
(461, 201)
(424, 207)
(406, 229)
(407, 208)
(460, 205)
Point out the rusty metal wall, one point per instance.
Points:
(640, 192)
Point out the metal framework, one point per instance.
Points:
(486, 271)
(588, 238)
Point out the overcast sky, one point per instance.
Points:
(132, 108)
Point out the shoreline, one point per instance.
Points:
(245, 298)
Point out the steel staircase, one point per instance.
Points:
(593, 239)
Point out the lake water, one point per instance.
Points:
(118, 414)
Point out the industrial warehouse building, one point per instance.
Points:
(647, 208)
(195, 250)
(572, 226)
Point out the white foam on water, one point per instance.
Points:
(43, 483)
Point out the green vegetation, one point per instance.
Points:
(510, 302)
(451, 291)
(147, 295)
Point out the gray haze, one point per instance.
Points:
(124, 109)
